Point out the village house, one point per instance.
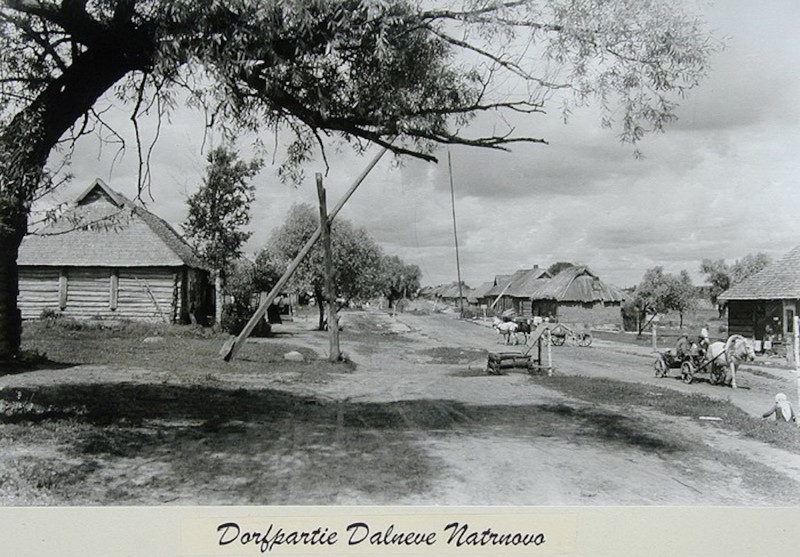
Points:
(492, 298)
(763, 306)
(576, 295)
(107, 257)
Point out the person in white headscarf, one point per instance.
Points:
(782, 409)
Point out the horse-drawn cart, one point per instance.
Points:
(560, 334)
(690, 365)
(717, 360)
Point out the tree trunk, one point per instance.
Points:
(321, 305)
(10, 319)
(27, 140)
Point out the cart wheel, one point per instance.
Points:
(585, 339)
(687, 371)
(558, 340)
(660, 366)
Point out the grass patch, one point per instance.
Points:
(673, 403)
(189, 350)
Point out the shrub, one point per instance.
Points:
(236, 315)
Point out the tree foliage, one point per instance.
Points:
(559, 266)
(722, 276)
(220, 209)
(399, 280)
(399, 73)
(659, 293)
(244, 282)
(357, 273)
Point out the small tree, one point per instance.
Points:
(718, 276)
(219, 211)
(244, 282)
(659, 293)
(721, 276)
(399, 280)
(683, 297)
(747, 266)
(356, 258)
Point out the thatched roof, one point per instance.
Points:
(500, 282)
(577, 284)
(480, 291)
(526, 281)
(777, 281)
(105, 229)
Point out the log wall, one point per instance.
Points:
(145, 294)
(38, 291)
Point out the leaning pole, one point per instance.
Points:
(232, 346)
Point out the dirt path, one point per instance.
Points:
(419, 388)
(502, 465)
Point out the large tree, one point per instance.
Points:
(357, 271)
(389, 72)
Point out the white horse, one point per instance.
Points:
(729, 355)
(507, 329)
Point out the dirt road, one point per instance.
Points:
(416, 421)
(541, 460)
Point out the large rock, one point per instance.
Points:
(294, 356)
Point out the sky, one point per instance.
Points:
(719, 184)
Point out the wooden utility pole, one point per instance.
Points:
(455, 233)
(333, 318)
(796, 353)
(232, 347)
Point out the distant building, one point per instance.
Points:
(110, 258)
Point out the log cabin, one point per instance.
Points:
(110, 258)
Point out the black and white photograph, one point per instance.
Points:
(399, 252)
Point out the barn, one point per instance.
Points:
(107, 257)
(576, 295)
(763, 306)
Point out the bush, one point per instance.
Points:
(236, 315)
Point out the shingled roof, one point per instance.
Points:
(577, 284)
(105, 229)
(777, 281)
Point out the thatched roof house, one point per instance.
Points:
(578, 295)
(765, 303)
(514, 291)
(478, 293)
(108, 257)
(499, 286)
